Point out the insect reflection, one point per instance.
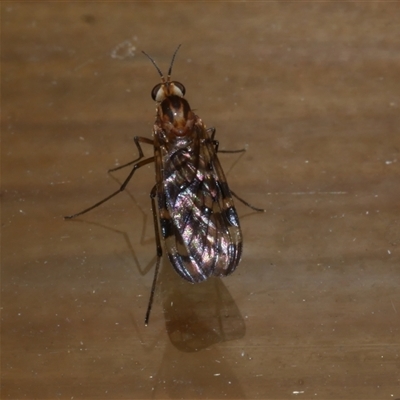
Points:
(192, 204)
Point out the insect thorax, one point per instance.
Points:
(175, 117)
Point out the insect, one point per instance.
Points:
(191, 201)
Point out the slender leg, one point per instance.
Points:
(136, 139)
(247, 204)
(123, 186)
(212, 132)
(153, 195)
(137, 165)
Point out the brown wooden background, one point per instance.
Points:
(313, 311)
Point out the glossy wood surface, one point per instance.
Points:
(312, 312)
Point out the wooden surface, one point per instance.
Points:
(313, 311)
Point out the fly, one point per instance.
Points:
(191, 201)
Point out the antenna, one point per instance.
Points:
(158, 69)
(172, 62)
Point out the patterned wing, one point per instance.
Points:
(198, 218)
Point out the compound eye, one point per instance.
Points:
(179, 89)
(157, 94)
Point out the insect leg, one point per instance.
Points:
(123, 186)
(212, 132)
(136, 139)
(246, 203)
(153, 195)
